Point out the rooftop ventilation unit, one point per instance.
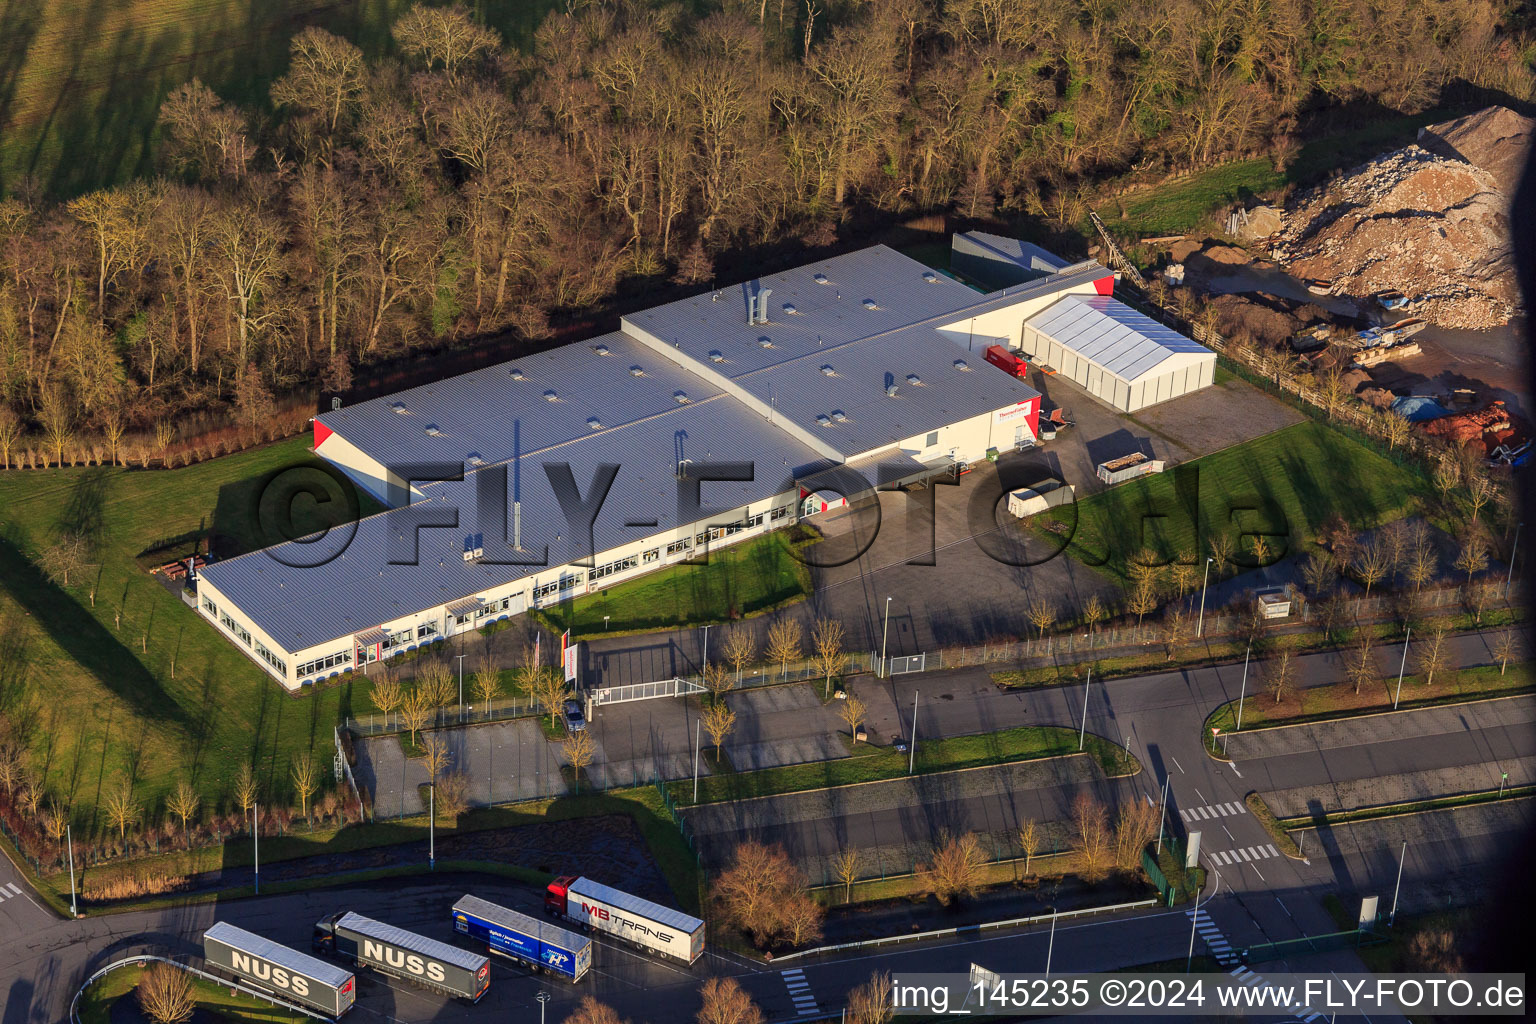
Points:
(820, 278)
(637, 371)
(823, 421)
(680, 397)
(601, 350)
(715, 356)
(789, 307)
(474, 459)
(765, 341)
(914, 380)
(399, 407)
(930, 277)
(962, 365)
(890, 391)
(432, 430)
(593, 423)
(870, 304)
(517, 374)
(757, 307)
(839, 415)
(826, 368)
(550, 396)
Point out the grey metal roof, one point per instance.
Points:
(1115, 337)
(866, 349)
(305, 594)
(517, 921)
(473, 413)
(654, 911)
(283, 956)
(403, 939)
(999, 260)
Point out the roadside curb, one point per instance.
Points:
(1312, 825)
(1527, 694)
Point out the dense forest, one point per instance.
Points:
(459, 188)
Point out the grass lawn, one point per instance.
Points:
(874, 764)
(155, 693)
(1288, 483)
(96, 1004)
(1339, 700)
(740, 580)
(85, 80)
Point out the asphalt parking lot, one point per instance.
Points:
(505, 761)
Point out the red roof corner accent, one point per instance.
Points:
(321, 433)
(1105, 285)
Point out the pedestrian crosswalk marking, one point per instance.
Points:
(1244, 855)
(1247, 977)
(1221, 810)
(14, 891)
(799, 990)
(1214, 940)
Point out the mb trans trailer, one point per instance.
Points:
(286, 973)
(401, 954)
(661, 930)
(539, 944)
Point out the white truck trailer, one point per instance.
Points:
(652, 927)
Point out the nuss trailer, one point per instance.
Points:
(657, 929)
(286, 973)
(401, 954)
(528, 940)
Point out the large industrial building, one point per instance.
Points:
(535, 481)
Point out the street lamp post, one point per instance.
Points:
(74, 908)
(1194, 919)
(1082, 732)
(1400, 668)
(1200, 629)
(1244, 691)
(1402, 856)
(697, 722)
(1051, 948)
(705, 665)
(1162, 814)
(1513, 550)
(432, 826)
(884, 636)
(461, 658)
(542, 997)
(912, 752)
(1503, 778)
(256, 842)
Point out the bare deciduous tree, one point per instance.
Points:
(725, 1003)
(718, 679)
(452, 795)
(1029, 840)
(436, 757)
(871, 1003)
(590, 1011)
(953, 870)
(1371, 563)
(184, 803)
(164, 993)
(1281, 675)
(1360, 666)
(739, 648)
(122, 809)
(718, 720)
(306, 779)
(1504, 649)
(1135, 825)
(1090, 826)
(1473, 555)
(784, 642)
(827, 645)
(1433, 656)
(759, 889)
(852, 712)
(1093, 612)
(579, 751)
(1143, 599)
(845, 868)
(246, 789)
(487, 684)
(386, 694)
(416, 709)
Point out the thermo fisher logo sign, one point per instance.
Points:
(400, 960)
(263, 971)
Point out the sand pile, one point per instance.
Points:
(1495, 138)
(1430, 225)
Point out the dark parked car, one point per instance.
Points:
(575, 721)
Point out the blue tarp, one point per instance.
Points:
(1418, 408)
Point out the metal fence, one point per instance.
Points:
(498, 710)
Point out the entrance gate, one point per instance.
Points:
(674, 687)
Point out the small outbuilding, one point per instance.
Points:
(1120, 356)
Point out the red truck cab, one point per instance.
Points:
(1006, 361)
(555, 895)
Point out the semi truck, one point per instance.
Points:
(405, 955)
(283, 972)
(539, 944)
(652, 927)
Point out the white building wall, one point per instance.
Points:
(1005, 326)
(515, 597)
(206, 593)
(363, 469)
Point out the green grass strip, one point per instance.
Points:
(1486, 796)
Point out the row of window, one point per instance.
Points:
(342, 659)
(272, 659)
(235, 628)
(543, 590)
(621, 565)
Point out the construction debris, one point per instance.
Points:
(1495, 138)
(1489, 428)
(1432, 226)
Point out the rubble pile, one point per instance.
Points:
(1495, 138)
(1489, 427)
(1428, 224)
